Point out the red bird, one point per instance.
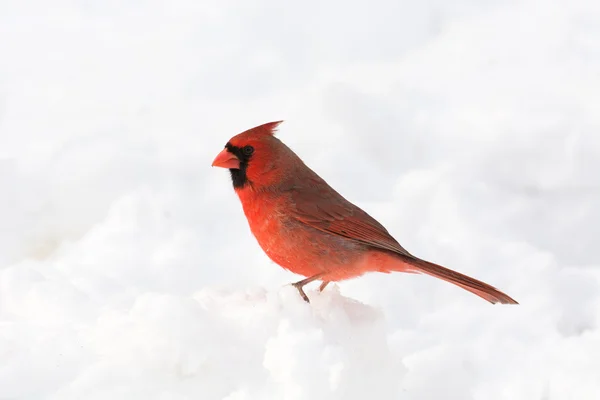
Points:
(310, 229)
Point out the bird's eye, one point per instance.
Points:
(248, 150)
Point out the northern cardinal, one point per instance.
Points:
(308, 228)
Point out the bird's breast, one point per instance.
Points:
(270, 223)
(293, 244)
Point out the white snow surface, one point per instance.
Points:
(470, 129)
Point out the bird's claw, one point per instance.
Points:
(301, 291)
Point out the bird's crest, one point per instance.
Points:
(265, 129)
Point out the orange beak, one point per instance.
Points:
(225, 159)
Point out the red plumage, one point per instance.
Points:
(307, 227)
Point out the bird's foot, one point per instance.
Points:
(299, 285)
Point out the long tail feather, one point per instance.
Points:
(473, 285)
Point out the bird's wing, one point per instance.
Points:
(319, 206)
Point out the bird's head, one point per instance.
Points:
(255, 156)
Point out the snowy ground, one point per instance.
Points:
(470, 129)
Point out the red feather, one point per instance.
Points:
(321, 207)
(268, 129)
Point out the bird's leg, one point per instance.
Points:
(300, 284)
(323, 285)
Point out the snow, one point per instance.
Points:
(470, 130)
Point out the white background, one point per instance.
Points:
(470, 129)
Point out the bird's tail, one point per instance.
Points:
(474, 286)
